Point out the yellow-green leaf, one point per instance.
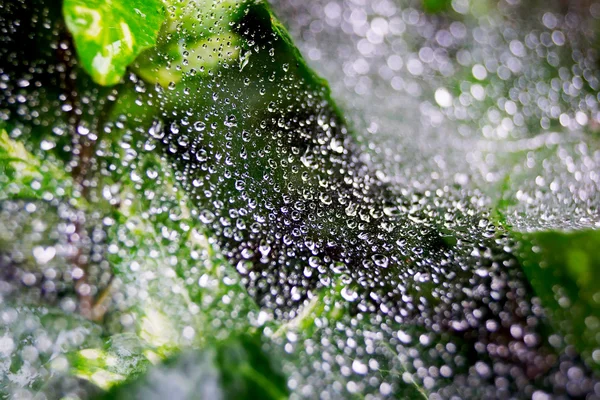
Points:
(110, 34)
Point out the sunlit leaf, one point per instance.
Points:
(109, 35)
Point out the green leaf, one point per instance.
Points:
(203, 30)
(236, 369)
(564, 270)
(121, 358)
(109, 35)
(23, 175)
(435, 6)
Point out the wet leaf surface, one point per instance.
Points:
(216, 225)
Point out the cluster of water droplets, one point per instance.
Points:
(474, 97)
(219, 192)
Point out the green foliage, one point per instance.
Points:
(564, 270)
(109, 35)
(185, 294)
(436, 6)
(234, 369)
(201, 29)
(25, 176)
